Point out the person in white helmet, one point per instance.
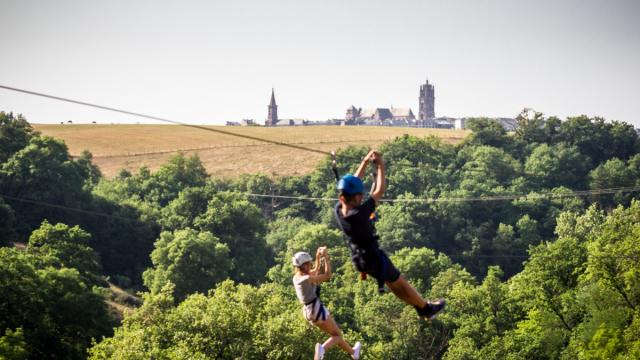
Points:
(305, 281)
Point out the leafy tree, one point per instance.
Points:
(403, 224)
(182, 211)
(12, 345)
(158, 188)
(613, 173)
(531, 127)
(239, 224)
(123, 239)
(480, 314)
(599, 140)
(44, 172)
(416, 151)
(613, 254)
(488, 164)
(92, 172)
(556, 165)
(417, 179)
(487, 132)
(180, 172)
(310, 237)
(7, 221)
(511, 243)
(194, 262)
(547, 288)
(420, 265)
(15, 133)
(545, 209)
(234, 321)
(295, 186)
(281, 230)
(68, 246)
(447, 280)
(58, 313)
(257, 184)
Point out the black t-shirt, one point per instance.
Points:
(358, 225)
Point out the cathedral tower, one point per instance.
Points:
(427, 102)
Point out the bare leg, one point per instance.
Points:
(330, 327)
(403, 290)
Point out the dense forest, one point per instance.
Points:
(513, 229)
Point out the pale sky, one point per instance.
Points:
(213, 61)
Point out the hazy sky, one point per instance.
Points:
(212, 61)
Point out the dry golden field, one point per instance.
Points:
(115, 147)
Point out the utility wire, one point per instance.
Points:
(105, 215)
(543, 195)
(74, 209)
(89, 212)
(308, 198)
(164, 120)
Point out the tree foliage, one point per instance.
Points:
(58, 314)
(536, 272)
(193, 261)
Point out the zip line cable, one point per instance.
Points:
(215, 147)
(164, 120)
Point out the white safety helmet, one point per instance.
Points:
(301, 258)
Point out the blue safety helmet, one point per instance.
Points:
(351, 185)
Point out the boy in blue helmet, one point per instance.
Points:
(355, 218)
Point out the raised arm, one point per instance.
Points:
(381, 185)
(363, 165)
(326, 273)
(327, 264)
(316, 266)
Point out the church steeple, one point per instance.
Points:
(272, 116)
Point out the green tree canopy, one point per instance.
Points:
(59, 315)
(487, 132)
(239, 224)
(44, 172)
(15, 133)
(7, 223)
(193, 261)
(556, 165)
(69, 248)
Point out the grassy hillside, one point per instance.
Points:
(130, 146)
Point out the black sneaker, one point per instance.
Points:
(432, 309)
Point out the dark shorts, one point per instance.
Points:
(379, 266)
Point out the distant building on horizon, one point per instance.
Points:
(272, 115)
(426, 102)
(379, 116)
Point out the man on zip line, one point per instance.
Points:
(355, 218)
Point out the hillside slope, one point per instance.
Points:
(115, 147)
